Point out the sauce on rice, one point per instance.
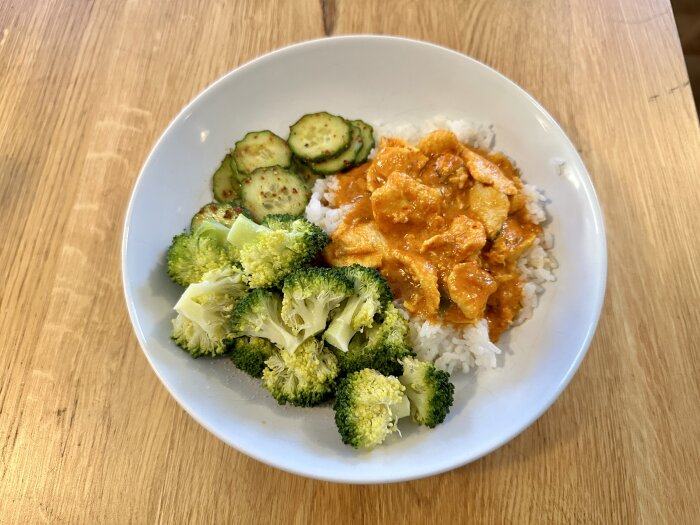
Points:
(445, 224)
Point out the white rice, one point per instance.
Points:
(451, 348)
(321, 208)
(477, 135)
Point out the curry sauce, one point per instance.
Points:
(444, 223)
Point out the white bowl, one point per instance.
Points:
(373, 78)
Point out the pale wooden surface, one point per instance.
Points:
(88, 434)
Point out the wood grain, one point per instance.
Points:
(88, 434)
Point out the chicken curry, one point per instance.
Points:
(445, 223)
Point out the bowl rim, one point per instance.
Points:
(599, 292)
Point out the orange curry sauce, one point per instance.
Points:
(444, 223)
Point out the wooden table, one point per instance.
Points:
(88, 434)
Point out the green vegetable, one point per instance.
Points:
(305, 377)
(190, 256)
(261, 149)
(222, 213)
(204, 309)
(268, 191)
(372, 295)
(304, 172)
(367, 140)
(224, 182)
(344, 160)
(380, 347)
(319, 136)
(310, 294)
(250, 353)
(429, 390)
(258, 315)
(368, 406)
(268, 252)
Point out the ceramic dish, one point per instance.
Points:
(377, 79)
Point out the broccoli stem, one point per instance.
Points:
(313, 313)
(213, 229)
(196, 313)
(280, 336)
(243, 231)
(402, 408)
(341, 331)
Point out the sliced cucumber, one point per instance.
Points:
(343, 161)
(319, 136)
(367, 140)
(222, 213)
(305, 172)
(224, 183)
(274, 190)
(234, 169)
(261, 149)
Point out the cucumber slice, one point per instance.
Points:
(220, 212)
(261, 149)
(319, 136)
(274, 190)
(305, 172)
(343, 161)
(367, 140)
(240, 176)
(224, 183)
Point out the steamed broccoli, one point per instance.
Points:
(310, 294)
(271, 250)
(250, 353)
(380, 347)
(201, 325)
(368, 406)
(190, 256)
(219, 212)
(429, 390)
(305, 377)
(372, 294)
(258, 315)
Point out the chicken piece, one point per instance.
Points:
(515, 239)
(489, 206)
(453, 315)
(517, 202)
(402, 200)
(413, 279)
(469, 286)
(356, 243)
(393, 142)
(463, 238)
(390, 159)
(503, 305)
(438, 142)
(483, 170)
(451, 169)
(507, 168)
(503, 273)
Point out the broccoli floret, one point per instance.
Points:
(372, 295)
(310, 294)
(305, 377)
(218, 212)
(268, 252)
(258, 315)
(201, 325)
(190, 256)
(380, 347)
(250, 353)
(429, 390)
(368, 406)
